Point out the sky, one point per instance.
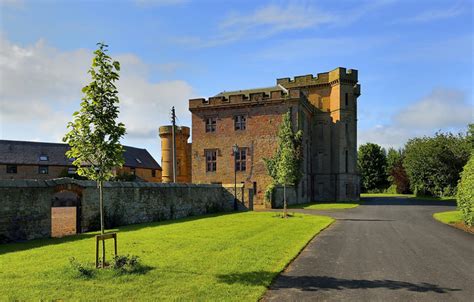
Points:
(415, 60)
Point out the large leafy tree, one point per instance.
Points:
(372, 163)
(397, 175)
(285, 166)
(434, 164)
(94, 134)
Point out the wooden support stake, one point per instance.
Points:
(102, 238)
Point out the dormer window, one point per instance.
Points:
(43, 157)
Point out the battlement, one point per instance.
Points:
(180, 130)
(243, 99)
(340, 73)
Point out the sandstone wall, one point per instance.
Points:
(25, 205)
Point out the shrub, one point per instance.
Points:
(80, 269)
(127, 264)
(269, 193)
(465, 195)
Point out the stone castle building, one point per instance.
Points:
(323, 106)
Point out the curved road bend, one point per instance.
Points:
(387, 249)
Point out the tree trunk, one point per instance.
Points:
(285, 212)
(101, 205)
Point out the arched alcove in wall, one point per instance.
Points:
(66, 211)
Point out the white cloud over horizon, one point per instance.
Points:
(442, 109)
(40, 88)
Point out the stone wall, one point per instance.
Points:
(292, 197)
(25, 205)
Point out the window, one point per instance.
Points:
(346, 161)
(43, 157)
(43, 169)
(138, 160)
(348, 190)
(132, 171)
(319, 168)
(211, 123)
(11, 169)
(153, 173)
(347, 99)
(241, 160)
(211, 160)
(239, 122)
(320, 189)
(71, 170)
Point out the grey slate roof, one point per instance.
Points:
(246, 92)
(28, 153)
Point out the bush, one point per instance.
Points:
(81, 270)
(269, 193)
(391, 190)
(465, 195)
(127, 264)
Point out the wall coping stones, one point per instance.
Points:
(33, 183)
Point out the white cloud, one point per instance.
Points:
(434, 15)
(263, 22)
(148, 3)
(40, 88)
(12, 3)
(442, 109)
(273, 19)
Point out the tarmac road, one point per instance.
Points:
(387, 249)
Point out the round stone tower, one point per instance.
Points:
(183, 154)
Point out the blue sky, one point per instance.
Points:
(415, 59)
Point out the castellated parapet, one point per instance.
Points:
(326, 78)
(245, 99)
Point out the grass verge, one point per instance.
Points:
(411, 196)
(454, 219)
(326, 206)
(220, 257)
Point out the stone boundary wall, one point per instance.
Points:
(25, 205)
(292, 197)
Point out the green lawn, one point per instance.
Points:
(219, 257)
(326, 206)
(448, 217)
(364, 195)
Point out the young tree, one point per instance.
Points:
(372, 163)
(285, 166)
(94, 134)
